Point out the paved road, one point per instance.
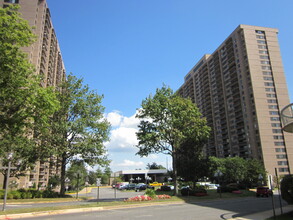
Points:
(105, 195)
(209, 210)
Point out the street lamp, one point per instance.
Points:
(218, 174)
(9, 158)
(67, 180)
(131, 179)
(77, 184)
(138, 179)
(260, 177)
(148, 179)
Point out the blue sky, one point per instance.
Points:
(125, 49)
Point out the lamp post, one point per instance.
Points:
(7, 180)
(260, 177)
(77, 184)
(138, 179)
(67, 180)
(148, 179)
(131, 179)
(218, 174)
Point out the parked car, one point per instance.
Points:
(121, 185)
(155, 184)
(140, 186)
(167, 188)
(212, 186)
(263, 191)
(130, 186)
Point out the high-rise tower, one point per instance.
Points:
(241, 89)
(45, 55)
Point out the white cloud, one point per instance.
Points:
(122, 136)
(129, 163)
(114, 118)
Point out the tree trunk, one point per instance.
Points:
(63, 172)
(174, 164)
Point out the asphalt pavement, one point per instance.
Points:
(249, 208)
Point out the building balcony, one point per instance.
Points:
(287, 118)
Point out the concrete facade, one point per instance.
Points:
(241, 89)
(46, 56)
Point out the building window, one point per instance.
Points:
(261, 41)
(269, 84)
(264, 62)
(260, 36)
(276, 124)
(263, 52)
(266, 67)
(268, 78)
(259, 32)
(12, 1)
(281, 156)
(277, 131)
(272, 101)
(273, 107)
(270, 90)
(278, 137)
(282, 163)
(267, 73)
(280, 149)
(275, 118)
(271, 95)
(262, 47)
(274, 113)
(283, 170)
(264, 57)
(280, 143)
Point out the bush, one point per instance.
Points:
(187, 191)
(15, 195)
(151, 193)
(50, 194)
(287, 189)
(165, 188)
(228, 188)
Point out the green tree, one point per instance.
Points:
(167, 120)
(25, 106)
(154, 166)
(77, 173)
(191, 164)
(287, 189)
(79, 127)
(254, 168)
(107, 171)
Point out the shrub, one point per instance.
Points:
(165, 188)
(228, 188)
(49, 194)
(15, 195)
(151, 193)
(287, 189)
(187, 191)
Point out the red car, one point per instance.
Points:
(263, 191)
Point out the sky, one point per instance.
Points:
(125, 49)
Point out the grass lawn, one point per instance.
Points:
(212, 194)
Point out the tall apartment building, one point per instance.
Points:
(46, 56)
(241, 89)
